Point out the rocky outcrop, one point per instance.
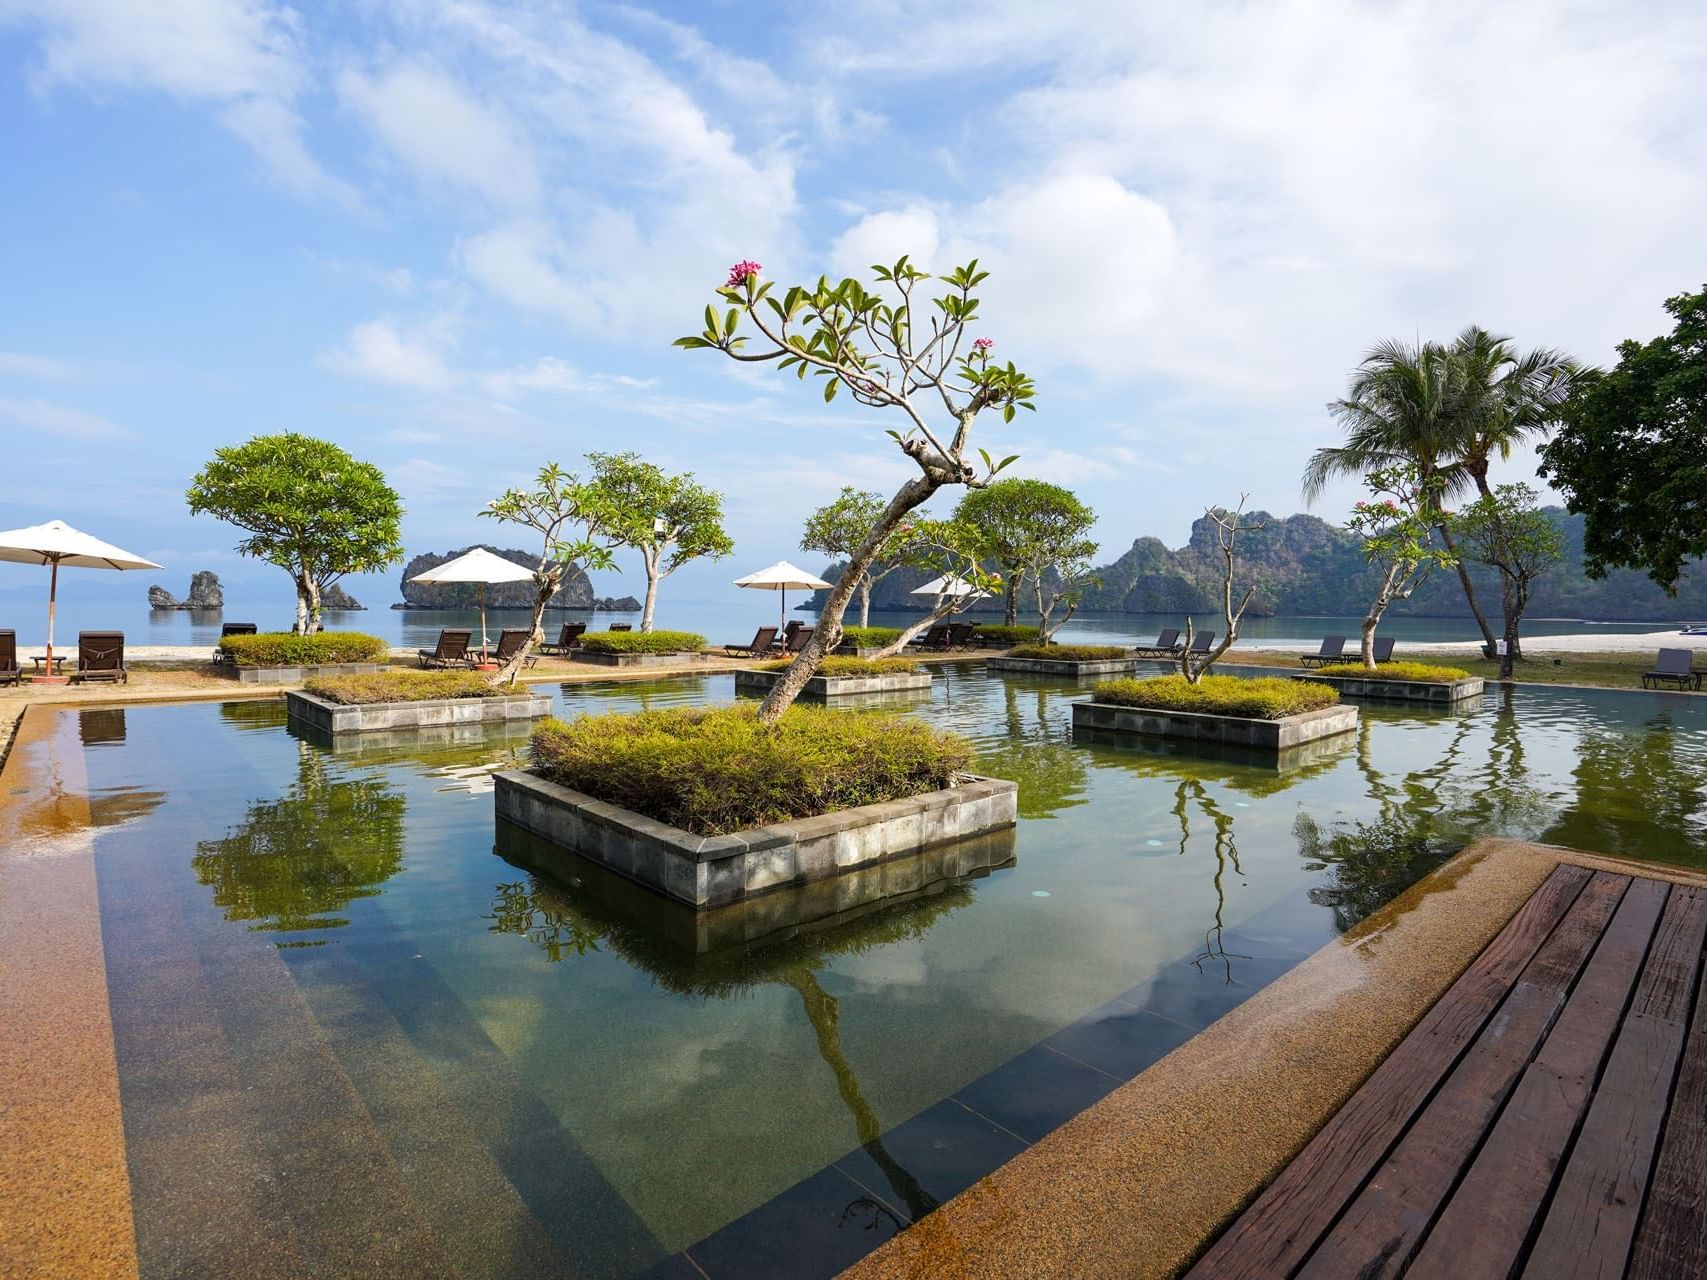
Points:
(335, 597)
(575, 593)
(205, 594)
(617, 604)
(160, 598)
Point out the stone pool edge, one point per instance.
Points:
(366, 717)
(1205, 1129)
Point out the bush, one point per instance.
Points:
(833, 666)
(401, 686)
(1426, 672)
(713, 770)
(642, 642)
(870, 637)
(284, 649)
(1002, 634)
(1262, 698)
(1070, 652)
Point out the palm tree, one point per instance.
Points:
(1508, 397)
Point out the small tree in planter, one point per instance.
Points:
(948, 549)
(885, 356)
(1228, 526)
(308, 507)
(669, 520)
(1398, 526)
(1507, 530)
(1025, 525)
(838, 528)
(559, 501)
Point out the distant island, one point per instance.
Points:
(206, 595)
(575, 593)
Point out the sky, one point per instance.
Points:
(458, 238)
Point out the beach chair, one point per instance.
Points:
(1384, 650)
(933, 641)
(568, 638)
(451, 650)
(764, 640)
(1166, 646)
(100, 656)
(1673, 667)
(1332, 650)
(622, 626)
(220, 657)
(510, 642)
(9, 670)
(1203, 642)
(799, 640)
(960, 635)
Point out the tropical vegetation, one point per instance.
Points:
(1416, 672)
(1253, 698)
(843, 665)
(1033, 532)
(401, 686)
(290, 649)
(1507, 531)
(671, 520)
(642, 642)
(1069, 652)
(839, 528)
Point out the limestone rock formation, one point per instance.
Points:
(160, 598)
(617, 604)
(335, 597)
(575, 593)
(205, 594)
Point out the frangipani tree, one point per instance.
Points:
(1034, 532)
(895, 350)
(948, 549)
(1398, 524)
(838, 528)
(1228, 526)
(668, 519)
(1508, 531)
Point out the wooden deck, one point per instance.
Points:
(1547, 1118)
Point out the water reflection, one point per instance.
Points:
(1251, 771)
(1641, 777)
(101, 726)
(1371, 863)
(1037, 752)
(1189, 793)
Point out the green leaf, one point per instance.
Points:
(712, 322)
(830, 389)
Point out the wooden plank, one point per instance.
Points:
(1278, 1231)
(1381, 1228)
(1483, 1230)
(1672, 1240)
(1591, 1222)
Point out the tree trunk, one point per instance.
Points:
(1010, 600)
(1370, 622)
(945, 608)
(1469, 591)
(865, 600)
(547, 579)
(653, 578)
(1046, 633)
(311, 589)
(1043, 610)
(1383, 598)
(828, 633)
(300, 626)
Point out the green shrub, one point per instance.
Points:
(713, 770)
(402, 686)
(1069, 652)
(870, 637)
(1002, 634)
(834, 666)
(284, 649)
(1425, 672)
(642, 642)
(1261, 698)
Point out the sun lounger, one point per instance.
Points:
(764, 640)
(799, 640)
(1203, 642)
(10, 673)
(1673, 667)
(960, 634)
(568, 638)
(936, 640)
(1384, 650)
(232, 629)
(1332, 650)
(1167, 645)
(510, 642)
(100, 656)
(451, 650)
(622, 626)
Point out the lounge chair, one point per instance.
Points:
(1167, 645)
(510, 642)
(568, 638)
(232, 629)
(1384, 650)
(100, 656)
(936, 640)
(799, 640)
(1673, 667)
(451, 650)
(622, 626)
(764, 640)
(1332, 650)
(1202, 643)
(961, 635)
(9, 670)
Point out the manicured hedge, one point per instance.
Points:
(870, 637)
(713, 770)
(833, 666)
(1421, 672)
(642, 642)
(1261, 698)
(1003, 634)
(402, 686)
(286, 649)
(1070, 652)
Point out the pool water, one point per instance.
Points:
(358, 1029)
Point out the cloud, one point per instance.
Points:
(58, 420)
(21, 364)
(384, 352)
(552, 374)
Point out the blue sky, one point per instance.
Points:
(458, 237)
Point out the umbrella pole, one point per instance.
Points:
(52, 593)
(482, 587)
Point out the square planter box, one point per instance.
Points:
(1440, 691)
(296, 675)
(713, 871)
(633, 659)
(845, 650)
(336, 718)
(1065, 667)
(1278, 767)
(837, 686)
(1270, 735)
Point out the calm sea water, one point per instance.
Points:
(376, 1022)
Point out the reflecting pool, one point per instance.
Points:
(358, 1028)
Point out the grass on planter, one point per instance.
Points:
(1069, 652)
(713, 770)
(1420, 672)
(286, 649)
(845, 666)
(402, 686)
(1003, 634)
(870, 637)
(642, 642)
(1255, 698)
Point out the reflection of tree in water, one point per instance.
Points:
(564, 921)
(297, 861)
(1372, 862)
(1190, 792)
(254, 713)
(1040, 756)
(1642, 793)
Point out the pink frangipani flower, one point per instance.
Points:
(741, 270)
(983, 344)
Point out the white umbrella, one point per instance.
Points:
(57, 543)
(948, 585)
(478, 566)
(780, 577)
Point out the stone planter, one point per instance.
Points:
(633, 659)
(1278, 764)
(837, 686)
(296, 675)
(713, 871)
(387, 745)
(1270, 735)
(1065, 667)
(1438, 691)
(336, 717)
(846, 650)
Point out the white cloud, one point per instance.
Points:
(58, 420)
(385, 352)
(22, 364)
(551, 374)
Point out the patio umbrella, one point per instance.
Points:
(57, 543)
(780, 577)
(948, 585)
(478, 566)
